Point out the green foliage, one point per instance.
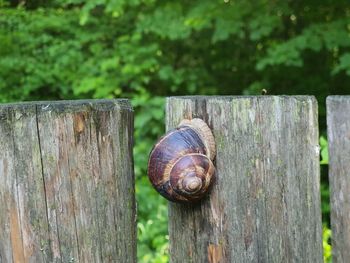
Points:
(343, 65)
(329, 36)
(148, 49)
(325, 194)
(324, 150)
(327, 248)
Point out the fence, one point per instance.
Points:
(67, 183)
(338, 120)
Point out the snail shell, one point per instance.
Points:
(180, 165)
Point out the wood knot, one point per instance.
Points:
(79, 123)
(214, 253)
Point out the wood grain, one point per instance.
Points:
(338, 122)
(265, 204)
(67, 182)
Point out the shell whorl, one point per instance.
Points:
(204, 131)
(192, 184)
(181, 163)
(192, 175)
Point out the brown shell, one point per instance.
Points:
(180, 165)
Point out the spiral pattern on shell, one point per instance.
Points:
(181, 165)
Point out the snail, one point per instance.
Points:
(180, 165)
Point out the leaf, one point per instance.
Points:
(167, 21)
(343, 65)
(224, 28)
(324, 151)
(263, 25)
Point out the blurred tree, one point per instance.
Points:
(148, 49)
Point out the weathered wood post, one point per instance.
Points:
(66, 182)
(338, 122)
(265, 205)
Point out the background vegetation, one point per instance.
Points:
(148, 49)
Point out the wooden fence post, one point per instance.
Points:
(265, 204)
(338, 122)
(66, 182)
